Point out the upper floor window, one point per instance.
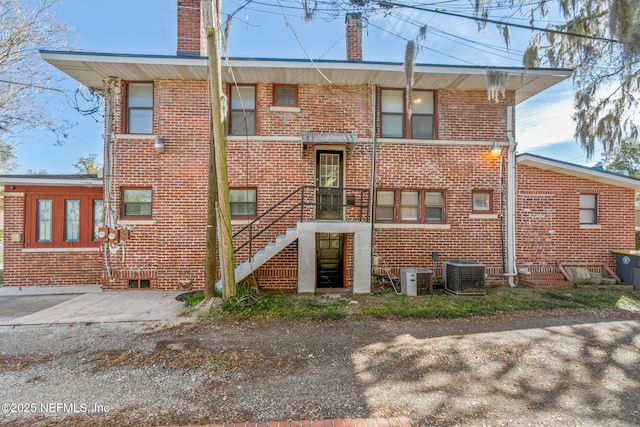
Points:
(482, 202)
(243, 202)
(588, 208)
(392, 112)
(136, 202)
(422, 114)
(242, 114)
(394, 121)
(285, 95)
(140, 108)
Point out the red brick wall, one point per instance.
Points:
(189, 28)
(457, 171)
(548, 225)
(44, 267)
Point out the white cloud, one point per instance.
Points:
(546, 119)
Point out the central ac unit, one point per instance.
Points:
(415, 281)
(463, 277)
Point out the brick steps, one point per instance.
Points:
(337, 422)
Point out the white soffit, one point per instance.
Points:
(91, 68)
(578, 171)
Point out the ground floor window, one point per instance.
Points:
(588, 208)
(56, 219)
(410, 206)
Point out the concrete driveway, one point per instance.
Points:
(85, 304)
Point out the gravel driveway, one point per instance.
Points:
(571, 367)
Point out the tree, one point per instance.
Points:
(88, 165)
(624, 161)
(25, 84)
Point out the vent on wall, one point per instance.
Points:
(463, 277)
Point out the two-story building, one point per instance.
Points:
(335, 172)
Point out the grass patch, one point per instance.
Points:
(194, 299)
(253, 304)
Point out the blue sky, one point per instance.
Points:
(273, 29)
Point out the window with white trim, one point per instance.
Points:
(242, 114)
(243, 202)
(140, 108)
(588, 208)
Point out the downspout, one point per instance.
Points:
(511, 200)
(112, 88)
(374, 162)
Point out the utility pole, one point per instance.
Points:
(212, 21)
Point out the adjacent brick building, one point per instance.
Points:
(331, 176)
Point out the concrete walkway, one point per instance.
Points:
(87, 304)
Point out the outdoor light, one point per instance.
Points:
(159, 144)
(495, 149)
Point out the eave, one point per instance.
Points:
(51, 180)
(91, 69)
(578, 171)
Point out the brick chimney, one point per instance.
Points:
(192, 39)
(354, 36)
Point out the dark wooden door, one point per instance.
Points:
(330, 260)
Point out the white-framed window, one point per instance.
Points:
(140, 108)
(588, 208)
(243, 202)
(242, 114)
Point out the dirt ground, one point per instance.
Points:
(568, 367)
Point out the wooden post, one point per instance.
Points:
(212, 20)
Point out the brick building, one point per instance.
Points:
(331, 177)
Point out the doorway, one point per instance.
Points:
(329, 179)
(329, 260)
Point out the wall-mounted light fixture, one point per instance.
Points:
(495, 149)
(159, 144)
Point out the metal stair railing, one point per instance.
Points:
(359, 200)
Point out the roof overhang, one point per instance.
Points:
(578, 171)
(91, 69)
(51, 180)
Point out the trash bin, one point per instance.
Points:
(628, 267)
(415, 281)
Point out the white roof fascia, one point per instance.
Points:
(578, 171)
(45, 181)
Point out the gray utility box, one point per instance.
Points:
(463, 277)
(415, 281)
(628, 267)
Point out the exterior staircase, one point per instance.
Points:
(262, 256)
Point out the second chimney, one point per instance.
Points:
(354, 36)
(192, 40)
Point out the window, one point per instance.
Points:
(408, 205)
(54, 219)
(140, 108)
(45, 220)
(482, 202)
(242, 115)
(136, 203)
(98, 217)
(139, 283)
(433, 207)
(385, 206)
(588, 209)
(72, 220)
(393, 118)
(422, 114)
(285, 95)
(243, 202)
(392, 112)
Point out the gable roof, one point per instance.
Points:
(592, 174)
(91, 68)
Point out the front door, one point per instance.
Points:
(329, 195)
(329, 260)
